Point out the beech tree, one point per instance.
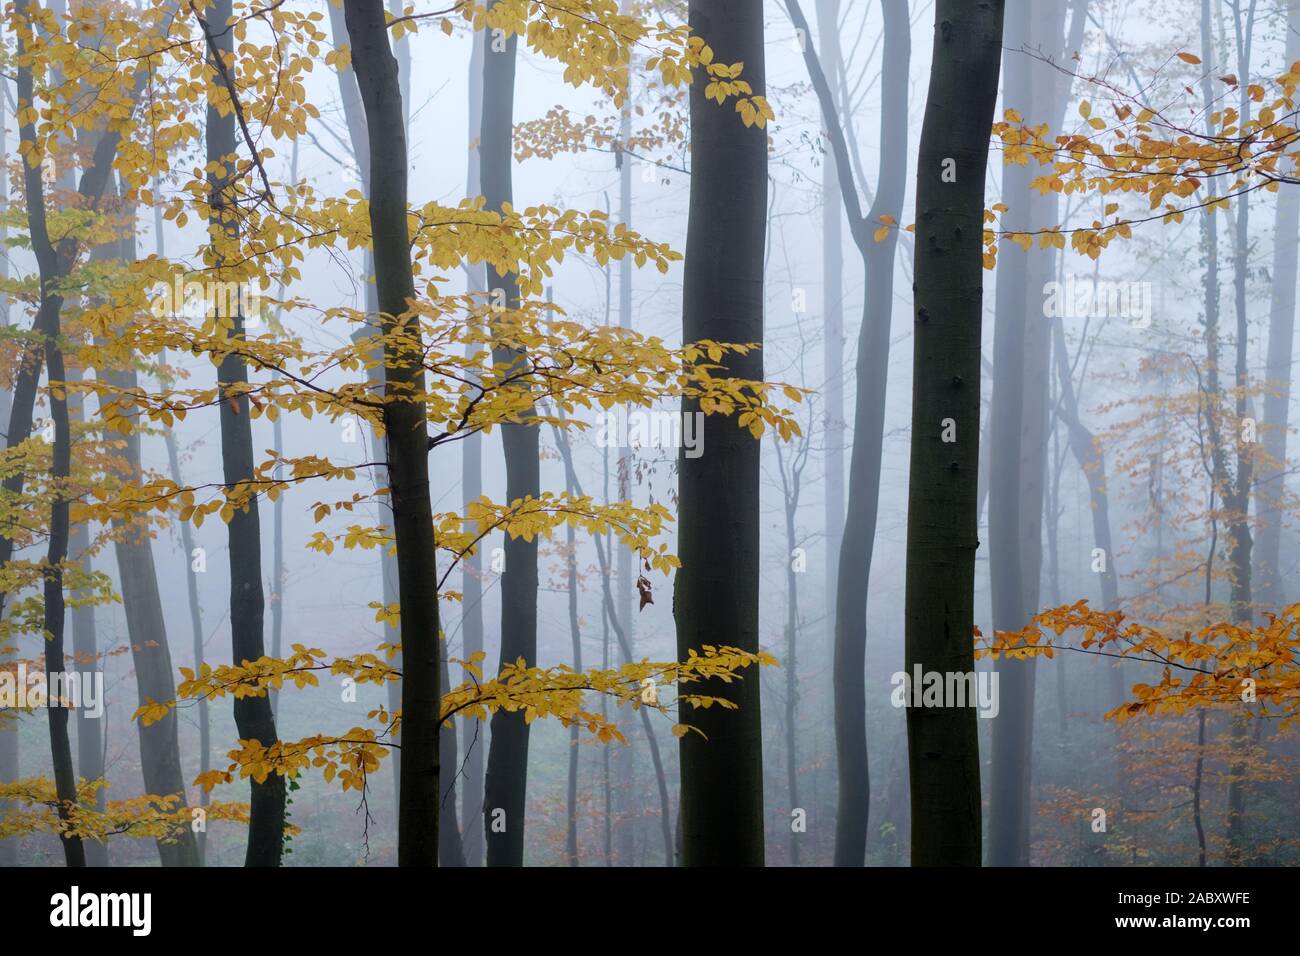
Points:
(943, 746)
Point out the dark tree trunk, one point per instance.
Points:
(253, 717)
(65, 773)
(53, 264)
(716, 592)
(943, 743)
(507, 764)
(407, 435)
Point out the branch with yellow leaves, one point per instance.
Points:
(1219, 664)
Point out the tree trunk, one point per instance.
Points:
(406, 432)
(507, 765)
(1020, 417)
(160, 758)
(716, 592)
(471, 482)
(90, 737)
(1270, 481)
(355, 117)
(65, 774)
(196, 634)
(828, 41)
(253, 717)
(943, 743)
(854, 567)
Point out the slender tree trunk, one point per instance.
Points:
(943, 743)
(790, 492)
(854, 559)
(828, 41)
(65, 774)
(1012, 726)
(355, 117)
(406, 432)
(575, 635)
(253, 717)
(53, 263)
(196, 634)
(471, 482)
(716, 592)
(160, 758)
(191, 580)
(505, 791)
(76, 851)
(630, 802)
(1019, 426)
(90, 737)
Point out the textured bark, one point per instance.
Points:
(943, 744)
(253, 717)
(854, 558)
(406, 432)
(716, 592)
(507, 764)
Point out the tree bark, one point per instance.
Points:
(507, 763)
(943, 743)
(253, 717)
(716, 592)
(406, 432)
